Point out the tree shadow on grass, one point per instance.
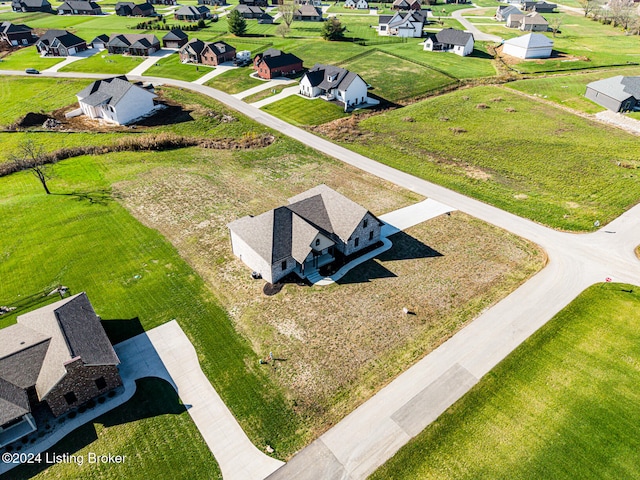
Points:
(406, 247)
(96, 197)
(153, 397)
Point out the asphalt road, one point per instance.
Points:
(372, 433)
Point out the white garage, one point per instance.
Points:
(532, 45)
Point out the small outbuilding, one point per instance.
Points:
(532, 45)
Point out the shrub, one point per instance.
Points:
(482, 106)
(457, 130)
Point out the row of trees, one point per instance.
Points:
(619, 13)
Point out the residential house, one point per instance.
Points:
(207, 53)
(503, 12)
(450, 40)
(213, 3)
(15, 34)
(176, 38)
(357, 4)
(60, 43)
(130, 9)
(116, 100)
(619, 93)
(334, 84)
(531, 22)
(457, 1)
(403, 24)
(192, 14)
(58, 356)
(141, 45)
(80, 7)
(406, 5)
(31, 6)
(532, 45)
(308, 13)
(254, 3)
(316, 227)
(251, 12)
(163, 2)
(275, 63)
(100, 42)
(540, 7)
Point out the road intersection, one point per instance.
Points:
(372, 433)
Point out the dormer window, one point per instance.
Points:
(317, 242)
(365, 223)
(331, 78)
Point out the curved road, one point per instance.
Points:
(372, 433)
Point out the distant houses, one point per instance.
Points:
(100, 42)
(192, 14)
(532, 45)
(531, 22)
(450, 40)
(130, 9)
(503, 12)
(335, 84)
(540, 7)
(403, 24)
(406, 5)
(207, 53)
(213, 3)
(618, 94)
(176, 38)
(79, 8)
(16, 34)
(254, 12)
(357, 4)
(308, 13)
(135, 44)
(60, 43)
(31, 6)
(275, 63)
(116, 100)
(163, 2)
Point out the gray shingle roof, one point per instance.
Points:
(328, 77)
(275, 58)
(8, 27)
(131, 39)
(619, 87)
(175, 34)
(451, 36)
(13, 402)
(191, 11)
(65, 38)
(308, 11)
(109, 91)
(22, 351)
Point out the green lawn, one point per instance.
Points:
(564, 405)
(405, 80)
(155, 421)
(267, 93)
(235, 80)
(172, 67)
(304, 111)
(568, 90)
(28, 58)
(104, 62)
(522, 156)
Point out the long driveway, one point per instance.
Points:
(372, 433)
(470, 27)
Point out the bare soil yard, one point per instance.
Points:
(337, 344)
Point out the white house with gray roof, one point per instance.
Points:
(403, 24)
(335, 83)
(58, 355)
(619, 93)
(116, 100)
(316, 227)
(450, 40)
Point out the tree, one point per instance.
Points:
(286, 11)
(554, 25)
(31, 156)
(622, 12)
(282, 30)
(333, 30)
(237, 24)
(588, 6)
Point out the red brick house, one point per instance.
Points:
(275, 63)
(59, 356)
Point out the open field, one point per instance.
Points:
(235, 80)
(103, 62)
(500, 147)
(171, 67)
(153, 430)
(298, 110)
(568, 90)
(563, 405)
(270, 92)
(28, 58)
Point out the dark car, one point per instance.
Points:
(32, 71)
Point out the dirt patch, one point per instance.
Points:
(555, 55)
(476, 173)
(343, 341)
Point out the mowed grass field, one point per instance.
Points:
(27, 58)
(305, 111)
(569, 90)
(235, 80)
(103, 62)
(155, 421)
(172, 67)
(563, 405)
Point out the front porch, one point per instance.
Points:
(18, 430)
(312, 266)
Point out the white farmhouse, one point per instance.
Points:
(450, 40)
(357, 4)
(532, 45)
(335, 83)
(318, 227)
(115, 100)
(403, 24)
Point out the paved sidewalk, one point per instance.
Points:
(264, 86)
(73, 58)
(219, 70)
(151, 60)
(286, 92)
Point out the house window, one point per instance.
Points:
(317, 242)
(101, 383)
(70, 398)
(284, 265)
(365, 223)
(356, 242)
(371, 235)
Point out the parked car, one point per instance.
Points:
(32, 71)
